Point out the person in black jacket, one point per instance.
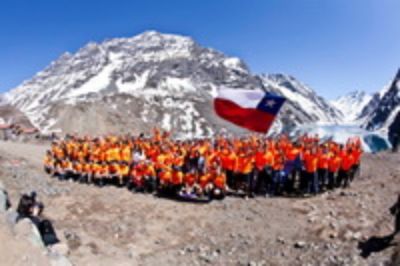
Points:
(395, 211)
(29, 208)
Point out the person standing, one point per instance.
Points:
(311, 166)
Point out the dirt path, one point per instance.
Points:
(112, 226)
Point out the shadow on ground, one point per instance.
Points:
(375, 244)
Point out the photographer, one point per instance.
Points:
(29, 208)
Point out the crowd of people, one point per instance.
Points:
(207, 168)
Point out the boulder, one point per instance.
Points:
(25, 230)
(60, 248)
(11, 218)
(60, 260)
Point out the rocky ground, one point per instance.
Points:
(112, 226)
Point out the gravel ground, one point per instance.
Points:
(112, 226)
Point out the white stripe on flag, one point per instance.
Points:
(244, 98)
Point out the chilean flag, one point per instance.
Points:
(251, 109)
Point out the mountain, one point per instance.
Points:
(303, 104)
(10, 114)
(381, 112)
(132, 84)
(352, 105)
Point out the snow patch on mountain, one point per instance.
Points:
(303, 97)
(351, 105)
(383, 111)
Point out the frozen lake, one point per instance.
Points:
(371, 141)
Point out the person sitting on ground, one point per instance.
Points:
(29, 208)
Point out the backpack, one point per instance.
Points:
(48, 233)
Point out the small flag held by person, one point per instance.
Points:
(252, 109)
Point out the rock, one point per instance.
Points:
(26, 230)
(3, 200)
(206, 258)
(60, 261)
(73, 240)
(356, 236)
(11, 218)
(182, 252)
(349, 235)
(252, 263)
(328, 233)
(60, 248)
(281, 240)
(300, 244)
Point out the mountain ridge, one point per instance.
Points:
(130, 84)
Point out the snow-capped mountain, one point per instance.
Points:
(303, 104)
(3, 99)
(352, 104)
(382, 110)
(152, 79)
(10, 114)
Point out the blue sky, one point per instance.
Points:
(333, 46)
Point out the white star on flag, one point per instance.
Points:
(270, 103)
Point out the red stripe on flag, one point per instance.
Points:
(250, 118)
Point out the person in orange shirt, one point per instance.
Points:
(189, 180)
(229, 164)
(96, 169)
(245, 170)
(149, 175)
(205, 185)
(48, 162)
(264, 160)
(292, 165)
(65, 170)
(123, 173)
(311, 166)
(136, 176)
(333, 168)
(346, 168)
(278, 178)
(219, 184)
(164, 186)
(86, 174)
(113, 172)
(357, 153)
(176, 181)
(126, 153)
(323, 165)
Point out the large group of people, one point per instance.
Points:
(207, 168)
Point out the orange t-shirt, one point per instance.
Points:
(311, 162)
(190, 179)
(347, 161)
(228, 161)
(323, 161)
(165, 176)
(204, 180)
(177, 178)
(220, 181)
(334, 164)
(245, 164)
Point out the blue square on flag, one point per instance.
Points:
(271, 103)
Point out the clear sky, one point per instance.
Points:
(333, 46)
